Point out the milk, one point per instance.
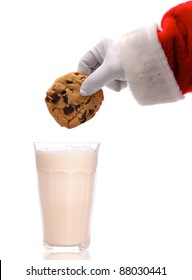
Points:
(66, 187)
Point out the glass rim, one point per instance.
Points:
(41, 145)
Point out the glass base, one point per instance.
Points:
(73, 255)
(76, 248)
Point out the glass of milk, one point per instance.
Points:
(66, 176)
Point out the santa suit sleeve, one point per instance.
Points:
(157, 60)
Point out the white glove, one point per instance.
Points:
(103, 65)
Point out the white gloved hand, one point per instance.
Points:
(103, 65)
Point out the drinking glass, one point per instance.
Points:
(66, 176)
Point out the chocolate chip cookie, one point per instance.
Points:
(65, 103)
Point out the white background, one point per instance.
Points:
(143, 210)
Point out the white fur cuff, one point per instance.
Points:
(146, 68)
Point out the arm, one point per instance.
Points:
(156, 62)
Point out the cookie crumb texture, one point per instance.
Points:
(65, 103)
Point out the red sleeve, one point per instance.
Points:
(175, 37)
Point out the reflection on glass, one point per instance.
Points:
(79, 255)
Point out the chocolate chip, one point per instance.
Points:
(77, 107)
(83, 120)
(68, 110)
(88, 101)
(84, 117)
(63, 92)
(47, 99)
(65, 98)
(91, 112)
(55, 98)
(69, 81)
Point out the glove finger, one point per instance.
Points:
(117, 85)
(101, 76)
(93, 58)
(88, 63)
